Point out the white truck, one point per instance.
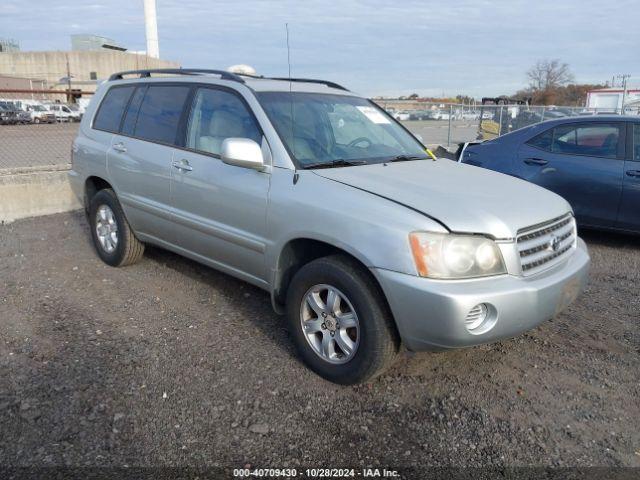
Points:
(63, 113)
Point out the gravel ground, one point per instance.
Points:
(169, 363)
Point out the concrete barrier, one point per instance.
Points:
(33, 191)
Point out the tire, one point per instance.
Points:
(36, 120)
(105, 209)
(374, 341)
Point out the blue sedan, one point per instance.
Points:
(593, 162)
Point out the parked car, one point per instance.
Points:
(419, 115)
(8, 115)
(403, 115)
(63, 113)
(77, 111)
(40, 114)
(21, 115)
(470, 115)
(439, 115)
(592, 161)
(325, 201)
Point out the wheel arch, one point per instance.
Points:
(298, 252)
(92, 185)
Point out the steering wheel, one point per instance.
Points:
(318, 149)
(358, 140)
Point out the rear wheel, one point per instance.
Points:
(340, 321)
(112, 236)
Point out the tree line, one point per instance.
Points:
(552, 83)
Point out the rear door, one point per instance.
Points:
(629, 213)
(139, 160)
(582, 162)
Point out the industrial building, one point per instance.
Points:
(84, 67)
(92, 58)
(9, 45)
(94, 43)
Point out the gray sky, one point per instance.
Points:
(374, 47)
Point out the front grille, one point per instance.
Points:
(542, 246)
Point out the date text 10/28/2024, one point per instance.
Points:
(315, 473)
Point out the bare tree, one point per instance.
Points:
(549, 74)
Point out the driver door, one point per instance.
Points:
(220, 209)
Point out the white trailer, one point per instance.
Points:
(609, 100)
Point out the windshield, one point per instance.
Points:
(333, 129)
(39, 108)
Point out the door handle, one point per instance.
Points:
(182, 165)
(535, 161)
(633, 173)
(119, 147)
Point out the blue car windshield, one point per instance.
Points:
(326, 130)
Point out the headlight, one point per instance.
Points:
(448, 256)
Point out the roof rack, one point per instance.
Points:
(224, 75)
(310, 80)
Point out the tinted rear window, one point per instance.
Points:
(131, 116)
(160, 113)
(111, 109)
(593, 139)
(543, 141)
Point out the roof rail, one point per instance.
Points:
(224, 75)
(310, 80)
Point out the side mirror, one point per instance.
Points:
(242, 152)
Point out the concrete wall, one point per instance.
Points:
(52, 66)
(32, 192)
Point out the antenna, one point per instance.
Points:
(286, 26)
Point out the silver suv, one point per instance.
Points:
(321, 198)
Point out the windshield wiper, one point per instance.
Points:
(406, 158)
(340, 162)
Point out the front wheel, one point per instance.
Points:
(340, 321)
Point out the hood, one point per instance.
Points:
(462, 197)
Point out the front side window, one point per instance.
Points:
(323, 129)
(160, 113)
(636, 141)
(217, 115)
(593, 139)
(111, 109)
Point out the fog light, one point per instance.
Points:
(476, 317)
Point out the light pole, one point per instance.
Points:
(624, 78)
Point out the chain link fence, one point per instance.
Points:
(451, 124)
(37, 128)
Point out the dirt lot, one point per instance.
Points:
(170, 363)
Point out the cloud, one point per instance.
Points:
(478, 47)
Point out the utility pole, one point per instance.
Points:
(68, 81)
(624, 78)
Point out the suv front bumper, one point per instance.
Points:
(430, 314)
